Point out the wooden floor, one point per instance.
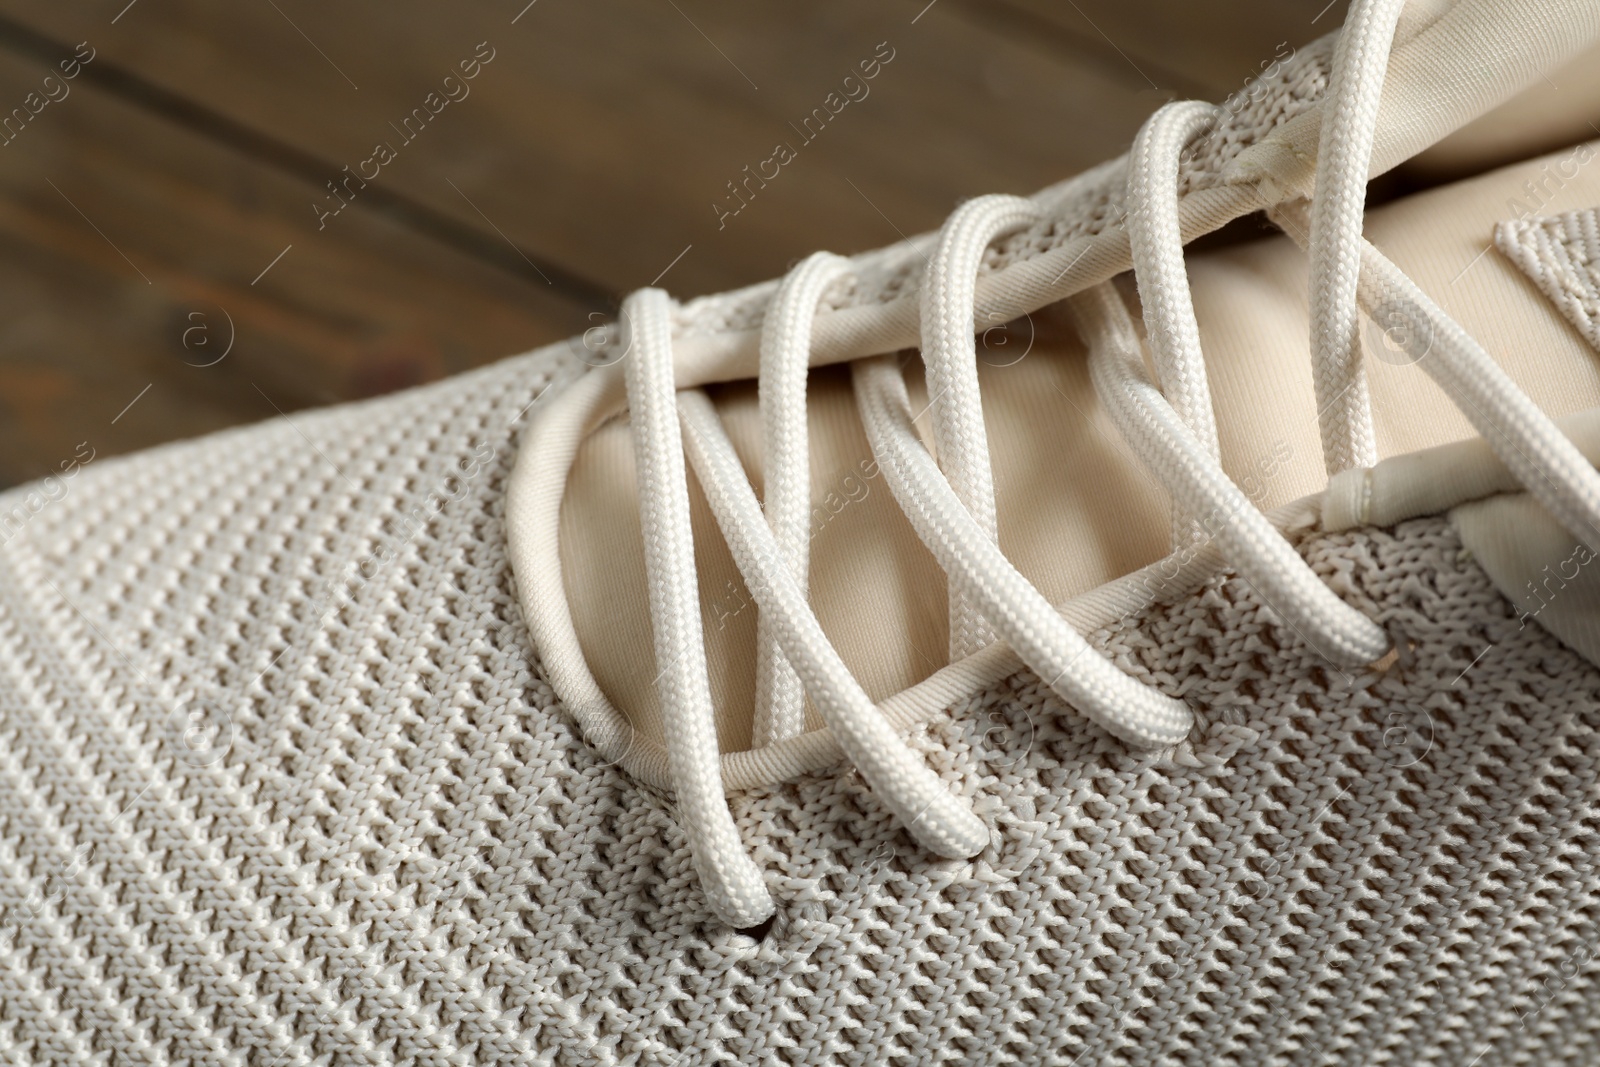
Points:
(237, 209)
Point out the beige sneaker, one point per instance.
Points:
(1045, 706)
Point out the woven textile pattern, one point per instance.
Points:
(389, 845)
(1560, 255)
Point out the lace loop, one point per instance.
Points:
(951, 503)
(1156, 242)
(938, 820)
(785, 352)
(1344, 152)
(732, 882)
(1530, 444)
(1026, 620)
(1176, 455)
(950, 357)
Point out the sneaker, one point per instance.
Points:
(1052, 670)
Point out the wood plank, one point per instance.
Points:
(587, 158)
(602, 134)
(128, 243)
(1201, 50)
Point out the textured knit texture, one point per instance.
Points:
(388, 844)
(1561, 255)
(281, 783)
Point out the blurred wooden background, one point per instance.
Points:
(166, 266)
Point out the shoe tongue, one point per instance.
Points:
(1076, 509)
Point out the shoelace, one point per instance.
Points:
(1169, 423)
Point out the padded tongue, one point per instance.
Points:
(1075, 507)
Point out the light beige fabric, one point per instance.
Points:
(1551, 579)
(1436, 479)
(1557, 109)
(1075, 508)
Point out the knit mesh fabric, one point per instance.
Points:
(244, 820)
(281, 783)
